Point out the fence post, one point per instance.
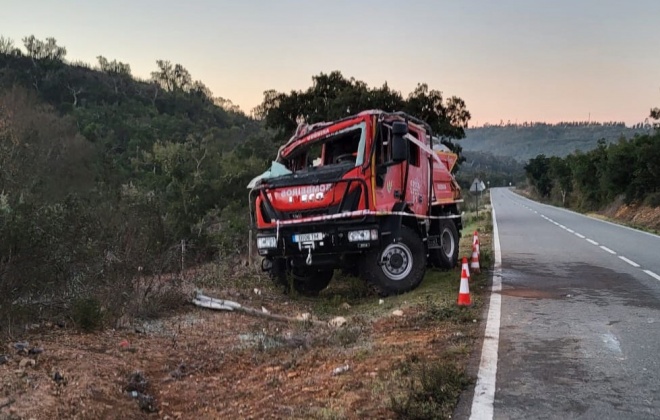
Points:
(183, 254)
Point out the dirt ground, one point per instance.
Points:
(200, 363)
(635, 215)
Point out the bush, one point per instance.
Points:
(432, 392)
(653, 200)
(440, 311)
(64, 254)
(87, 314)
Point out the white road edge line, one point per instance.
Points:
(649, 272)
(604, 248)
(484, 390)
(591, 241)
(570, 230)
(631, 262)
(579, 235)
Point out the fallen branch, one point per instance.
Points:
(228, 305)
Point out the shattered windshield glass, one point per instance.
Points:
(343, 147)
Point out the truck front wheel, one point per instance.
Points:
(310, 282)
(305, 280)
(397, 267)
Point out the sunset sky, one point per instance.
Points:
(509, 60)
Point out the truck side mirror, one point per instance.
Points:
(399, 146)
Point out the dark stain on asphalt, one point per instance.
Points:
(530, 293)
(531, 279)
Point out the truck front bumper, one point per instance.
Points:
(318, 240)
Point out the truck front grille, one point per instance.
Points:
(304, 213)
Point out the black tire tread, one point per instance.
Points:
(437, 258)
(372, 273)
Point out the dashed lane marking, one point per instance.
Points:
(604, 248)
(631, 262)
(652, 274)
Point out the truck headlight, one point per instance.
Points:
(266, 242)
(363, 235)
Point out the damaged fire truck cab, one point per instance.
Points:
(367, 194)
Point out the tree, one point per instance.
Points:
(587, 169)
(448, 120)
(114, 66)
(42, 158)
(537, 170)
(172, 78)
(560, 173)
(226, 104)
(655, 115)
(44, 50)
(7, 46)
(619, 172)
(646, 173)
(333, 96)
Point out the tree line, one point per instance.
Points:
(628, 168)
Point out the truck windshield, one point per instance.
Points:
(343, 147)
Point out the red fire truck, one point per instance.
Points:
(367, 194)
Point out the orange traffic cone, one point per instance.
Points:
(464, 291)
(475, 241)
(474, 264)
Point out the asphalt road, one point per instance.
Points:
(579, 328)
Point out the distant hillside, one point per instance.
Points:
(528, 140)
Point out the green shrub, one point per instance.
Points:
(432, 392)
(652, 200)
(87, 314)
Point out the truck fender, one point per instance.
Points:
(390, 226)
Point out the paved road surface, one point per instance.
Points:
(579, 332)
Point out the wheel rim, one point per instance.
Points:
(447, 243)
(396, 261)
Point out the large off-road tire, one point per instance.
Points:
(310, 281)
(447, 255)
(306, 281)
(397, 267)
(278, 272)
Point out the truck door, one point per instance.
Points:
(417, 193)
(389, 176)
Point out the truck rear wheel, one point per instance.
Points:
(397, 267)
(447, 255)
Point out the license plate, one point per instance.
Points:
(308, 237)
